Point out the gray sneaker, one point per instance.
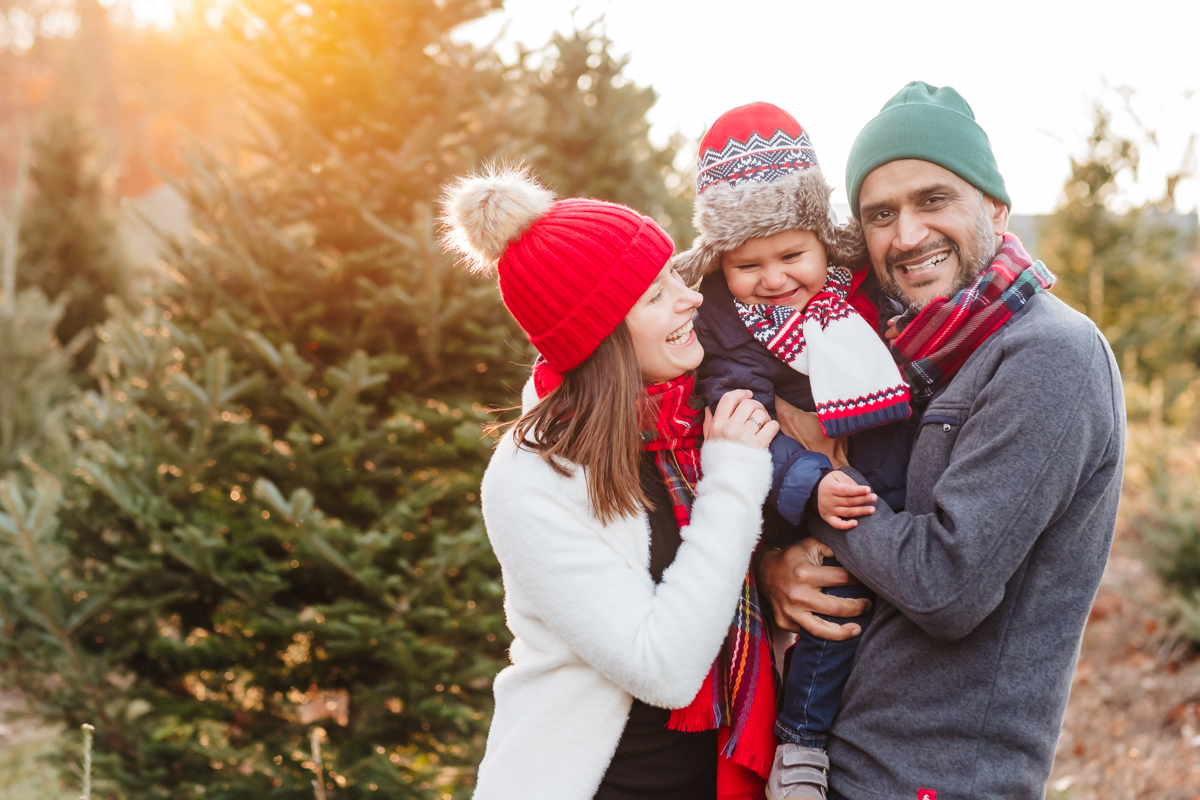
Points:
(798, 772)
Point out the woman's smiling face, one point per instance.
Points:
(786, 269)
(660, 324)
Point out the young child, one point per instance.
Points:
(784, 317)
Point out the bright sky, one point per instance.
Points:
(1030, 69)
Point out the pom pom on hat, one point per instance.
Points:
(483, 213)
(568, 270)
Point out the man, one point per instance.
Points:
(985, 580)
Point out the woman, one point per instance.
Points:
(622, 568)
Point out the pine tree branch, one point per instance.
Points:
(402, 239)
(27, 521)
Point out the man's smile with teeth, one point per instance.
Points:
(932, 261)
(679, 336)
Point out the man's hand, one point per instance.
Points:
(792, 580)
(805, 428)
(839, 495)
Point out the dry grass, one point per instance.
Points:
(24, 745)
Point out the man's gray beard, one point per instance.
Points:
(981, 251)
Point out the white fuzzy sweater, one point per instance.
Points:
(591, 629)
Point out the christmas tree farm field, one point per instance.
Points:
(25, 746)
(255, 517)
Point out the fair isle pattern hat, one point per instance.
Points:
(758, 176)
(741, 146)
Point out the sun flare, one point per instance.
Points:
(154, 13)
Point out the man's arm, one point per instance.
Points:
(1042, 427)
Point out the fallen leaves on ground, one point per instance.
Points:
(1132, 730)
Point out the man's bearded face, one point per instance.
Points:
(929, 232)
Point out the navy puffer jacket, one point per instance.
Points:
(733, 359)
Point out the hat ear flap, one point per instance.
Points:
(699, 260)
(847, 246)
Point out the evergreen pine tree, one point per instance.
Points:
(35, 380)
(1126, 271)
(272, 523)
(69, 245)
(592, 138)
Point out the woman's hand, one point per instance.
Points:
(792, 580)
(742, 419)
(805, 428)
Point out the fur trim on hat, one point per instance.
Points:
(729, 216)
(483, 213)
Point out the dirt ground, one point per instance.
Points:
(1132, 729)
(1133, 722)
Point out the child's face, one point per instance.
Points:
(786, 269)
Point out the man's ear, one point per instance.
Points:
(999, 215)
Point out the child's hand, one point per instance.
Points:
(892, 333)
(839, 495)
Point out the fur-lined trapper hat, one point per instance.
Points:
(758, 176)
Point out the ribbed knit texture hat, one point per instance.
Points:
(758, 176)
(932, 124)
(569, 270)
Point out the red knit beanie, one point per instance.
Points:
(569, 270)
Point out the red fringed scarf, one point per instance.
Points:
(738, 695)
(942, 336)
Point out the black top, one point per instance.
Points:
(652, 762)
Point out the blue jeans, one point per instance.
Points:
(815, 673)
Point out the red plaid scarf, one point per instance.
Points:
(738, 695)
(939, 339)
(670, 418)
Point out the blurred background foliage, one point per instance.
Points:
(253, 512)
(238, 507)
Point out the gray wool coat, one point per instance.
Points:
(985, 581)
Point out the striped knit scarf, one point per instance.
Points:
(937, 341)
(855, 383)
(738, 695)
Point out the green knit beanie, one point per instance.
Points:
(930, 123)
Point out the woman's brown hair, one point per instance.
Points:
(591, 420)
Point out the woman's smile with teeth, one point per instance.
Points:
(681, 335)
(932, 261)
